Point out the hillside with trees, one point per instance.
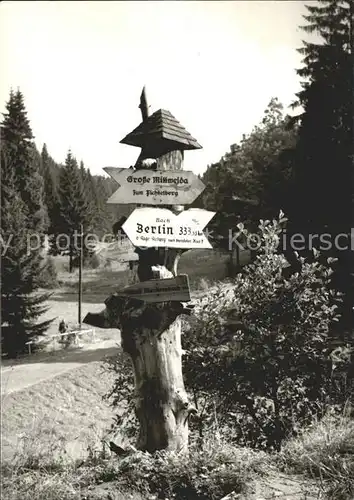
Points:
(40, 198)
(300, 164)
(254, 180)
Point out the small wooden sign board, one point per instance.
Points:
(164, 290)
(155, 187)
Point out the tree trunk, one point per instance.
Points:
(233, 266)
(71, 252)
(161, 402)
(151, 335)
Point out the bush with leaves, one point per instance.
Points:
(49, 276)
(92, 261)
(121, 395)
(259, 347)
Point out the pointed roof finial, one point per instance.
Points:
(144, 108)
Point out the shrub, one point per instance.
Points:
(259, 347)
(68, 340)
(48, 278)
(92, 261)
(121, 395)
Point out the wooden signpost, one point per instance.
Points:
(155, 187)
(159, 227)
(147, 313)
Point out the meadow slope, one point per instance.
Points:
(65, 414)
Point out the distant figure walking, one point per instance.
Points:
(62, 326)
(64, 339)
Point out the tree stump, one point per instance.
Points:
(151, 336)
(161, 402)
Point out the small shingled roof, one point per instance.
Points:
(161, 125)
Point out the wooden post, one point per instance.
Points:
(161, 401)
(144, 107)
(151, 332)
(80, 273)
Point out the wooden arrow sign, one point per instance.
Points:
(155, 187)
(164, 290)
(159, 227)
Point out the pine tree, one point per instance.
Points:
(92, 219)
(21, 268)
(74, 206)
(25, 161)
(323, 159)
(108, 214)
(51, 198)
(324, 136)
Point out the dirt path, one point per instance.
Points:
(18, 377)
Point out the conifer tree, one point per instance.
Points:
(23, 159)
(92, 219)
(21, 267)
(323, 161)
(74, 207)
(50, 192)
(107, 213)
(324, 144)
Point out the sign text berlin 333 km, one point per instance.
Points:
(159, 227)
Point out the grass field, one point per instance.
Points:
(62, 416)
(47, 429)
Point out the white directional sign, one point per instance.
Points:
(155, 187)
(159, 227)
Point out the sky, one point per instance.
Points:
(81, 66)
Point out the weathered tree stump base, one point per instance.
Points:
(151, 335)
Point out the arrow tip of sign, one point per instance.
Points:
(108, 170)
